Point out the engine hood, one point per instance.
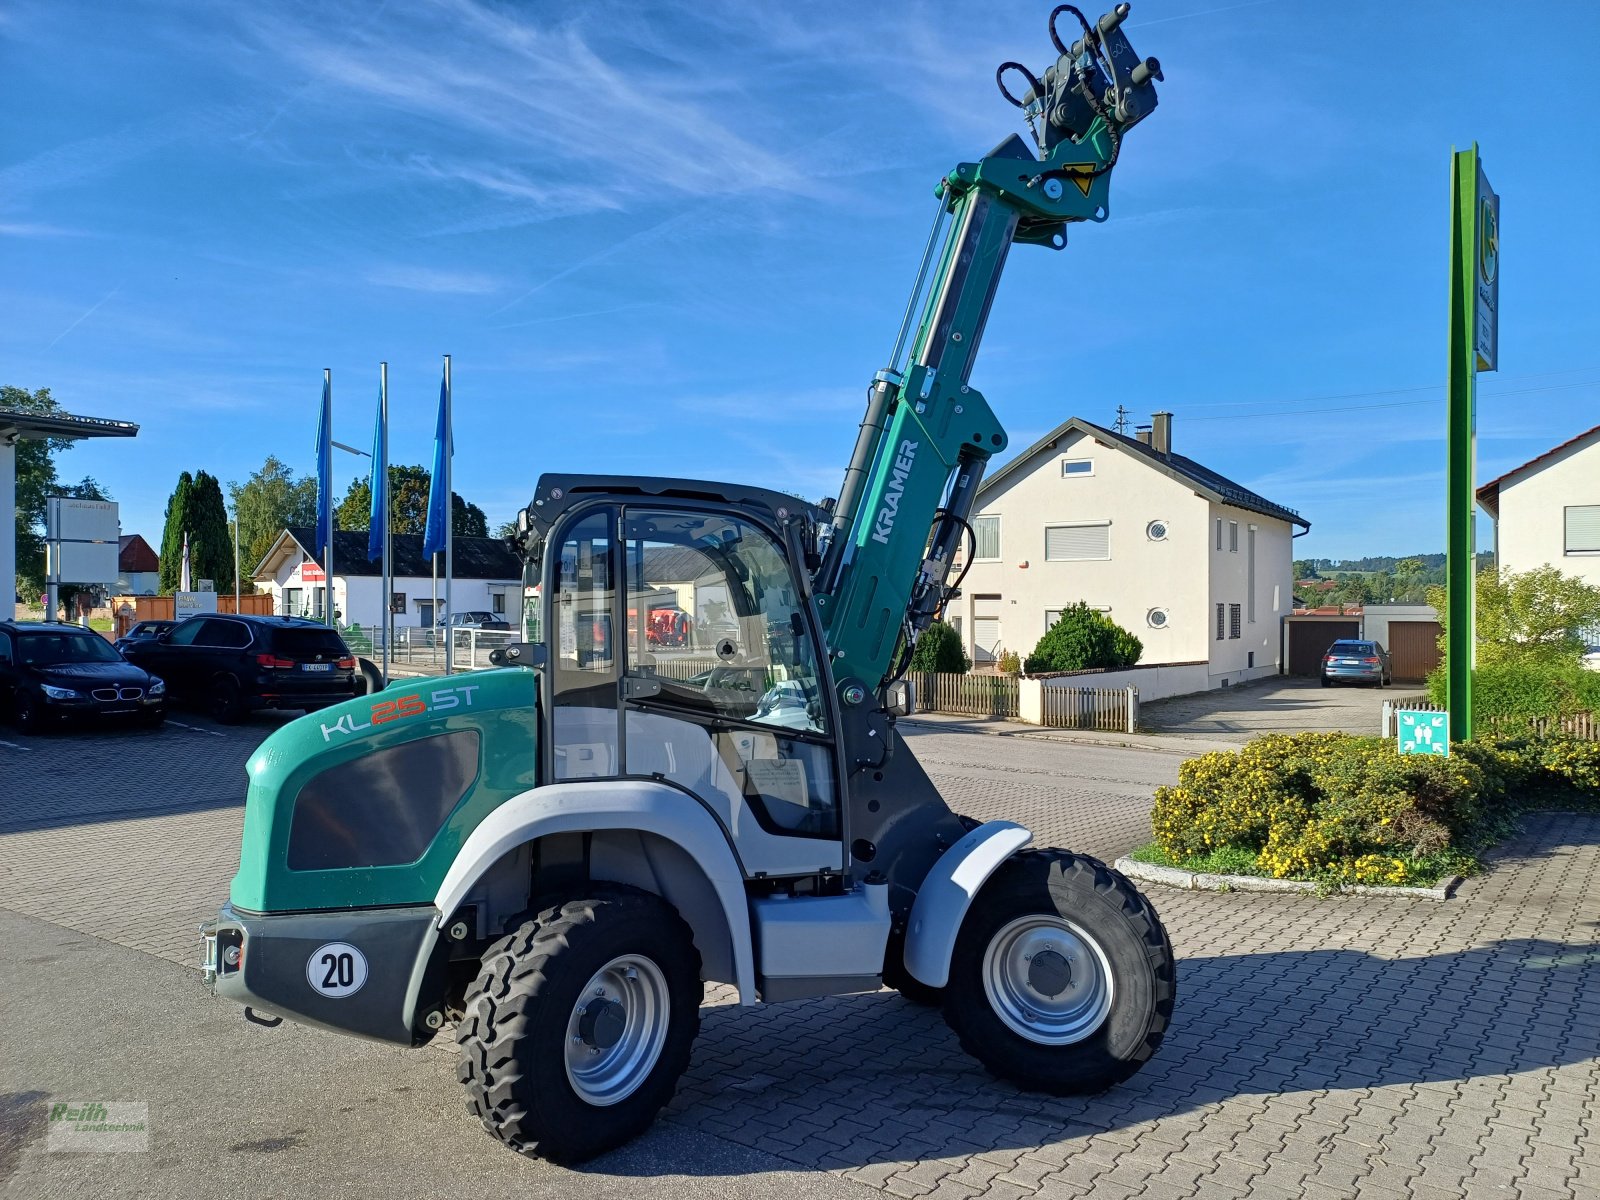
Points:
(86, 676)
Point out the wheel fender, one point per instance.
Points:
(618, 804)
(946, 894)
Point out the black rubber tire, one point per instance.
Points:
(903, 981)
(27, 715)
(225, 704)
(1123, 922)
(153, 720)
(513, 1036)
(1326, 682)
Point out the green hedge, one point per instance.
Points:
(1343, 809)
(1527, 690)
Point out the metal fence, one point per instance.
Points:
(974, 695)
(1115, 709)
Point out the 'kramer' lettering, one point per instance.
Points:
(894, 493)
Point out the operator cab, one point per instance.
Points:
(682, 646)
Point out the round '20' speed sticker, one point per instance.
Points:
(336, 970)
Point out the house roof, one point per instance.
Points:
(134, 555)
(472, 557)
(1176, 466)
(1489, 493)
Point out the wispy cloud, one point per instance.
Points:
(26, 229)
(429, 279)
(540, 90)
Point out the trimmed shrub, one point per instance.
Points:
(1337, 808)
(1081, 640)
(1010, 663)
(939, 649)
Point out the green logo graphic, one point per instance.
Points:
(98, 1126)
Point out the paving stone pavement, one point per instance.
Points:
(1321, 1047)
(1277, 704)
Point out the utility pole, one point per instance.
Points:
(1122, 420)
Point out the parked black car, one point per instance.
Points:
(234, 664)
(53, 674)
(141, 631)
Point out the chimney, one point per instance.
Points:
(1141, 434)
(1161, 432)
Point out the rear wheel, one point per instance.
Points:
(225, 703)
(1062, 979)
(1326, 682)
(579, 1025)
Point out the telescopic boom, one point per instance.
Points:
(927, 434)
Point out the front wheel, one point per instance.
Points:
(579, 1025)
(1062, 979)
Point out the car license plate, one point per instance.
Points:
(316, 666)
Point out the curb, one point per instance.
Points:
(1199, 881)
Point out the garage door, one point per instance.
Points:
(1309, 641)
(985, 628)
(1413, 648)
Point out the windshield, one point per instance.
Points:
(309, 641)
(54, 649)
(1350, 648)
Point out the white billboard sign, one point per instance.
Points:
(68, 519)
(187, 604)
(81, 562)
(81, 540)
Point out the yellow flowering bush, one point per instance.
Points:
(1345, 809)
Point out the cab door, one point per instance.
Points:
(738, 714)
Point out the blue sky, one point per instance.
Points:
(662, 238)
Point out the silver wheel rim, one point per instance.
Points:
(617, 1030)
(1048, 980)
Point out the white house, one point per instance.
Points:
(488, 578)
(1547, 511)
(138, 567)
(1197, 566)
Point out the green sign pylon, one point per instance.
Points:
(1474, 338)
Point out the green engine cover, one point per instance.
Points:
(282, 869)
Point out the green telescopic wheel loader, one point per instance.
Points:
(556, 854)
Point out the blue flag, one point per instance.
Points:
(325, 472)
(438, 485)
(378, 529)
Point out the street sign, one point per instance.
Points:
(1423, 732)
(1487, 276)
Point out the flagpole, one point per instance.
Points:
(326, 450)
(236, 566)
(383, 475)
(449, 522)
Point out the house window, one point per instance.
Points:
(1052, 615)
(1233, 620)
(1075, 467)
(1250, 572)
(1219, 533)
(1221, 627)
(293, 605)
(497, 602)
(1583, 529)
(1077, 543)
(1233, 537)
(986, 530)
